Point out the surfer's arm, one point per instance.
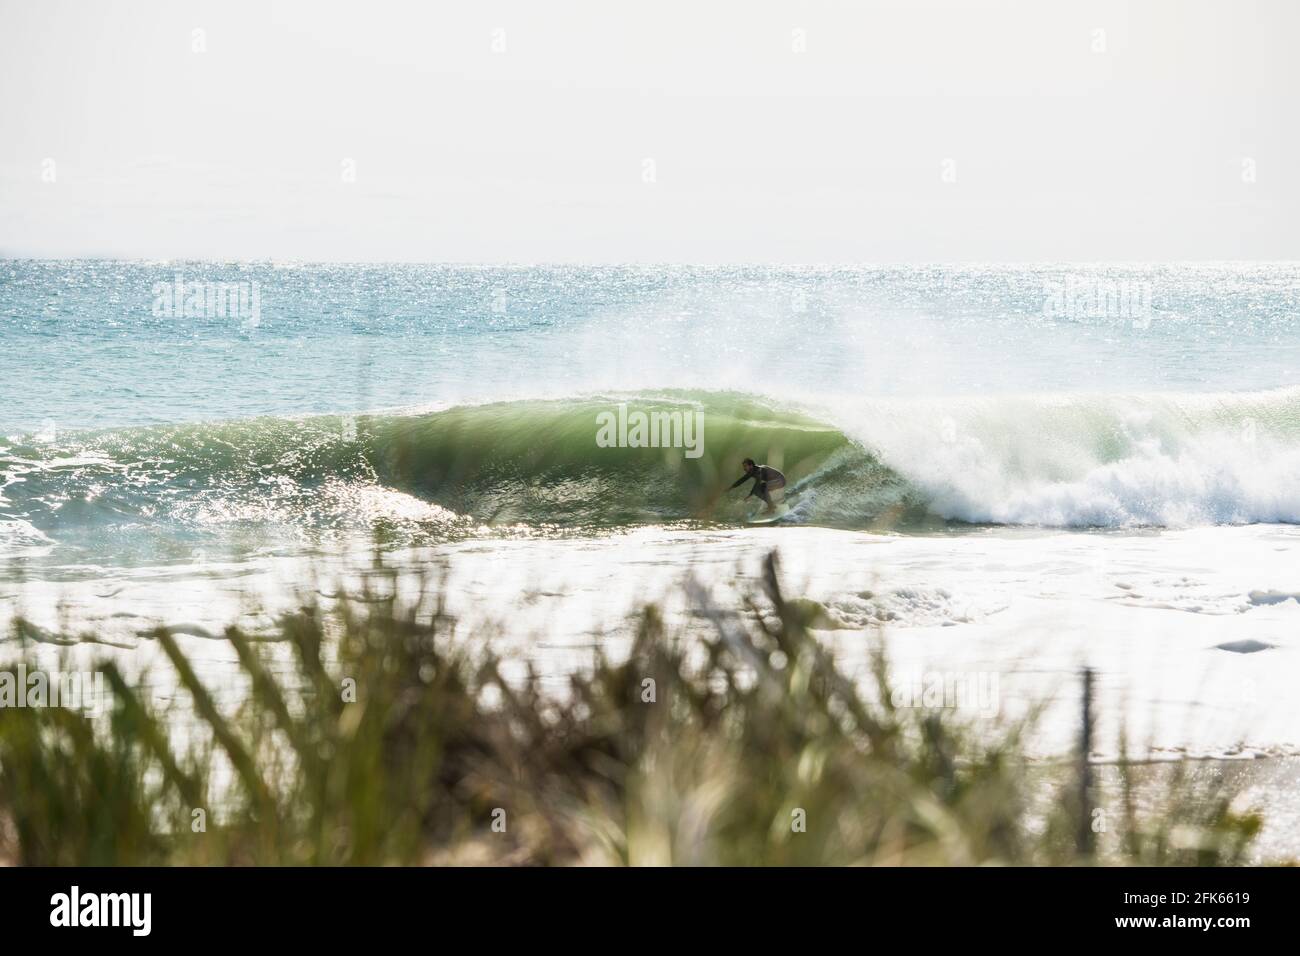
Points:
(740, 481)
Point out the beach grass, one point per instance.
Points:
(392, 739)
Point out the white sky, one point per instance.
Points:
(760, 153)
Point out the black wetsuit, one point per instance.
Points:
(765, 479)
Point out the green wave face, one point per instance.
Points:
(168, 489)
(574, 462)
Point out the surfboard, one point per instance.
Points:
(762, 516)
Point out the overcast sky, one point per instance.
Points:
(650, 131)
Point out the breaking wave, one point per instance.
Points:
(1045, 460)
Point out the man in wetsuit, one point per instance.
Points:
(765, 479)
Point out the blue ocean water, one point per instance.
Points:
(83, 348)
(146, 406)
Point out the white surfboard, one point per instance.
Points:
(763, 516)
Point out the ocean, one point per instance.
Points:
(1016, 470)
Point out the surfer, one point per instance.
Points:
(765, 479)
